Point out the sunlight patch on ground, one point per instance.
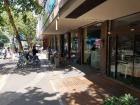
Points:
(3, 80)
(9, 66)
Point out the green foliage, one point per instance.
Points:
(3, 38)
(14, 10)
(127, 99)
(28, 26)
(112, 101)
(24, 18)
(20, 8)
(23, 12)
(26, 5)
(2, 21)
(6, 25)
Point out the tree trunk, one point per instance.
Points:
(11, 20)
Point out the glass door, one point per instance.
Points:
(125, 49)
(112, 58)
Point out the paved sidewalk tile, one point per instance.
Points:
(80, 91)
(87, 89)
(57, 86)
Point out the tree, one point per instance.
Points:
(27, 28)
(13, 8)
(3, 39)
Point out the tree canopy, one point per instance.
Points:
(3, 38)
(28, 28)
(17, 9)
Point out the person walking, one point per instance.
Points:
(4, 51)
(9, 53)
(34, 51)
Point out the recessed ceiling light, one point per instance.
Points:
(132, 29)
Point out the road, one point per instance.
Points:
(30, 86)
(48, 85)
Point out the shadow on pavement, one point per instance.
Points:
(34, 96)
(93, 95)
(101, 88)
(10, 67)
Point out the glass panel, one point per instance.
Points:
(74, 47)
(137, 62)
(125, 45)
(113, 56)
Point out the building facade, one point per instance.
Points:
(104, 34)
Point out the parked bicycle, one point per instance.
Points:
(27, 60)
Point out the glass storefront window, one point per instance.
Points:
(124, 50)
(74, 46)
(112, 56)
(92, 45)
(125, 58)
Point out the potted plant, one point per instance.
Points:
(127, 99)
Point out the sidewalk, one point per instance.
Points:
(89, 88)
(77, 89)
(72, 85)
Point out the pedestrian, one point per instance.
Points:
(93, 47)
(34, 51)
(9, 53)
(49, 52)
(4, 51)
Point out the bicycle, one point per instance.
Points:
(28, 61)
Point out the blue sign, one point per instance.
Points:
(50, 4)
(22, 36)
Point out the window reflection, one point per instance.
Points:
(125, 58)
(125, 63)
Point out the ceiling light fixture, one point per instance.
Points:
(56, 24)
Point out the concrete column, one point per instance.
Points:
(81, 45)
(56, 43)
(62, 45)
(69, 45)
(105, 28)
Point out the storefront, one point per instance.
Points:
(92, 45)
(124, 50)
(74, 46)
